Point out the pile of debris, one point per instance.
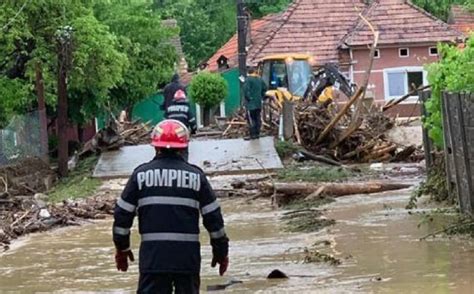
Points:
(237, 126)
(362, 142)
(346, 142)
(25, 177)
(27, 214)
(116, 135)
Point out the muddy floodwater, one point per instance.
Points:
(375, 238)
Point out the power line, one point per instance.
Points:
(16, 15)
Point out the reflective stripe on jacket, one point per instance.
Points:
(169, 195)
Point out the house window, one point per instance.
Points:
(401, 81)
(377, 53)
(403, 52)
(433, 51)
(396, 84)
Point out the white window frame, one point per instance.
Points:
(400, 52)
(378, 54)
(429, 51)
(406, 70)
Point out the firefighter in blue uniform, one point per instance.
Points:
(169, 194)
(179, 109)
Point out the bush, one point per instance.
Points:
(454, 72)
(208, 89)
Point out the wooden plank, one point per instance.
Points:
(453, 106)
(449, 159)
(427, 142)
(468, 197)
(288, 123)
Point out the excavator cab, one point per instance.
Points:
(286, 76)
(290, 77)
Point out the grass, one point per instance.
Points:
(316, 174)
(285, 148)
(79, 183)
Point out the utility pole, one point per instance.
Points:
(64, 43)
(241, 40)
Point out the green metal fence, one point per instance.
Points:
(148, 110)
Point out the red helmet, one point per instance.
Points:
(170, 134)
(180, 95)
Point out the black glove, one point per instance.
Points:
(121, 259)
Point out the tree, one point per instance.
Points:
(454, 72)
(208, 90)
(146, 42)
(440, 8)
(205, 25)
(259, 9)
(30, 42)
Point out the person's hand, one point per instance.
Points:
(121, 259)
(223, 264)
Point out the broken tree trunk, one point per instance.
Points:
(357, 118)
(403, 98)
(341, 113)
(292, 191)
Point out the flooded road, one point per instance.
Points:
(375, 237)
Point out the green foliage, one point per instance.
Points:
(205, 25)
(315, 174)
(97, 64)
(285, 148)
(436, 186)
(208, 89)
(152, 58)
(440, 8)
(261, 8)
(455, 72)
(14, 94)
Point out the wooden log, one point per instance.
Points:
(404, 154)
(319, 158)
(341, 113)
(347, 133)
(381, 152)
(393, 103)
(360, 149)
(300, 190)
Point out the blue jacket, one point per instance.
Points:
(169, 194)
(181, 110)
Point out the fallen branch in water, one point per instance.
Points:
(447, 229)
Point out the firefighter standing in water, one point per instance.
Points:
(169, 194)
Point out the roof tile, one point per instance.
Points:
(400, 22)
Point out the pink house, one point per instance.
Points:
(333, 32)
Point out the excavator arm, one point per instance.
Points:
(328, 75)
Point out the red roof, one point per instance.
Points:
(321, 27)
(229, 50)
(461, 19)
(400, 22)
(310, 27)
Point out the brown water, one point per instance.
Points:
(375, 237)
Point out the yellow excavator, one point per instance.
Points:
(290, 77)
